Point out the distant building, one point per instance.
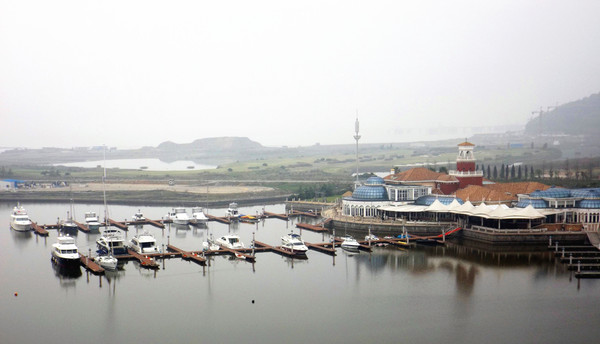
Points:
(10, 184)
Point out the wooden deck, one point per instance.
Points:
(187, 255)
(274, 215)
(279, 250)
(39, 230)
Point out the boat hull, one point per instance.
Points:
(65, 261)
(20, 227)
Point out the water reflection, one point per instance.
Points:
(20, 238)
(67, 275)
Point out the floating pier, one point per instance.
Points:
(313, 228)
(218, 219)
(186, 255)
(39, 230)
(144, 261)
(280, 250)
(91, 265)
(584, 259)
(303, 213)
(274, 215)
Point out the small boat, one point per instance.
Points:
(65, 252)
(230, 241)
(178, 216)
(372, 237)
(293, 243)
(68, 225)
(111, 241)
(91, 221)
(108, 261)
(19, 220)
(210, 245)
(198, 216)
(139, 216)
(144, 243)
(232, 212)
(248, 218)
(349, 243)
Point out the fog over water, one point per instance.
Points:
(138, 73)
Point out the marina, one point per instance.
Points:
(381, 279)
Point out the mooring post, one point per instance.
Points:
(570, 258)
(579, 266)
(168, 240)
(253, 243)
(556, 246)
(550, 241)
(88, 258)
(369, 236)
(333, 240)
(563, 252)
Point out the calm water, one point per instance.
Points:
(455, 294)
(136, 164)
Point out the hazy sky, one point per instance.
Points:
(135, 73)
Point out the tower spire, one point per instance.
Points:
(356, 137)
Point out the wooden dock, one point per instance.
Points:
(279, 250)
(584, 259)
(311, 227)
(120, 225)
(303, 213)
(186, 255)
(274, 215)
(82, 227)
(39, 230)
(90, 264)
(144, 261)
(218, 219)
(322, 247)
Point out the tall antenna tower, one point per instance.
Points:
(356, 137)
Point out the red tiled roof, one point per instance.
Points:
(414, 174)
(502, 192)
(466, 143)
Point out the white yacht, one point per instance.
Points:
(294, 243)
(178, 216)
(19, 220)
(232, 211)
(144, 243)
(198, 216)
(349, 243)
(65, 252)
(139, 216)
(108, 261)
(230, 241)
(92, 221)
(111, 241)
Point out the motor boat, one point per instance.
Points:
(138, 216)
(69, 225)
(178, 216)
(232, 211)
(230, 241)
(198, 216)
(112, 242)
(293, 243)
(349, 243)
(107, 261)
(144, 243)
(65, 252)
(91, 220)
(19, 220)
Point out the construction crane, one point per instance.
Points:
(541, 115)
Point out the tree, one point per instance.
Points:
(531, 172)
(526, 172)
(443, 169)
(495, 172)
(519, 173)
(502, 172)
(488, 172)
(512, 172)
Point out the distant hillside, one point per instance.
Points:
(574, 118)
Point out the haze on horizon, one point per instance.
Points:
(137, 73)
